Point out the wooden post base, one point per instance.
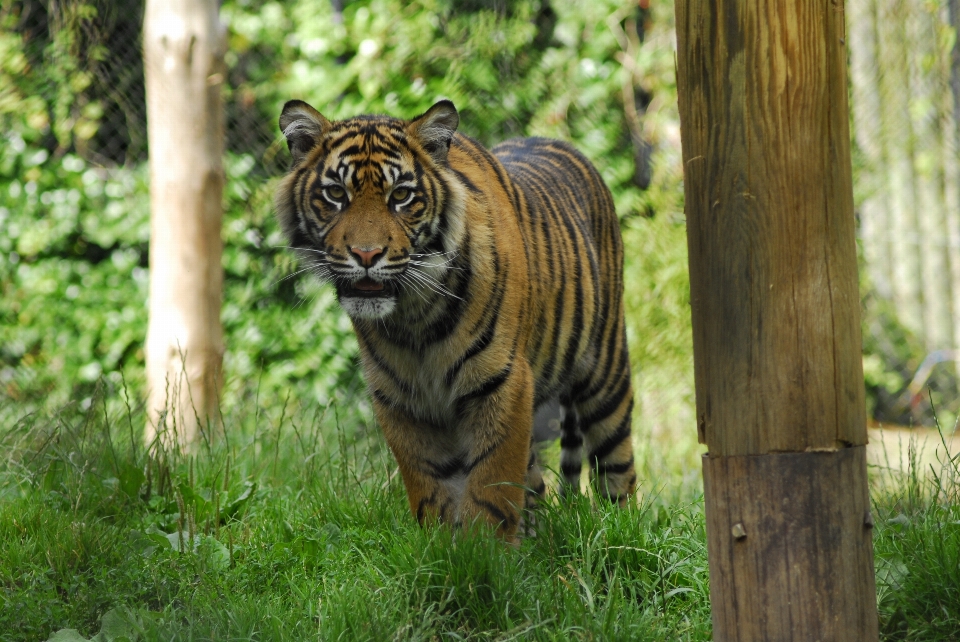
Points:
(789, 537)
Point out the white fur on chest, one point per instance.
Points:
(428, 395)
(432, 396)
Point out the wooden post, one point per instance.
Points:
(773, 281)
(183, 62)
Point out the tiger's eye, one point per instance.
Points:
(336, 192)
(400, 194)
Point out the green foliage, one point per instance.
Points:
(117, 625)
(73, 235)
(660, 338)
(72, 257)
(892, 355)
(523, 71)
(53, 100)
(21, 105)
(73, 273)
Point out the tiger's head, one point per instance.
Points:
(371, 204)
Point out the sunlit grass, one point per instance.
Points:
(299, 529)
(918, 546)
(295, 525)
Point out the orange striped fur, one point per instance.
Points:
(480, 285)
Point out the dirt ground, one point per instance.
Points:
(891, 448)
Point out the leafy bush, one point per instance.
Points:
(73, 233)
(73, 272)
(72, 258)
(562, 70)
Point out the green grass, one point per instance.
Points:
(298, 529)
(303, 532)
(917, 550)
(295, 526)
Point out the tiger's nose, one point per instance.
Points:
(367, 257)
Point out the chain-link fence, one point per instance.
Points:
(598, 73)
(86, 57)
(85, 62)
(74, 186)
(86, 65)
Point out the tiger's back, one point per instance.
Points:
(578, 351)
(479, 285)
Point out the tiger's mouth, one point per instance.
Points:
(368, 288)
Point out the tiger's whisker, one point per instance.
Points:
(446, 264)
(407, 281)
(290, 276)
(305, 249)
(432, 283)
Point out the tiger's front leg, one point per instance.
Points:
(409, 439)
(501, 424)
(475, 468)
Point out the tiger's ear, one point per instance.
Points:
(435, 129)
(301, 125)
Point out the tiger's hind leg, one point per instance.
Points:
(605, 410)
(536, 488)
(534, 480)
(571, 451)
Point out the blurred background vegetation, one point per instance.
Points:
(305, 481)
(74, 206)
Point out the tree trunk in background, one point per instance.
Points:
(952, 166)
(875, 215)
(928, 74)
(897, 134)
(183, 56)
(905, 129)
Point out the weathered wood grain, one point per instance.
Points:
(776, 318)
(769, 207)
(791, 538)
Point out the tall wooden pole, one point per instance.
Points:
(773, 281)
(183, 62)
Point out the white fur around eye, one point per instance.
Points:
(335, 194)
(406, 200)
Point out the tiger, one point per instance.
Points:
(480, 284)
